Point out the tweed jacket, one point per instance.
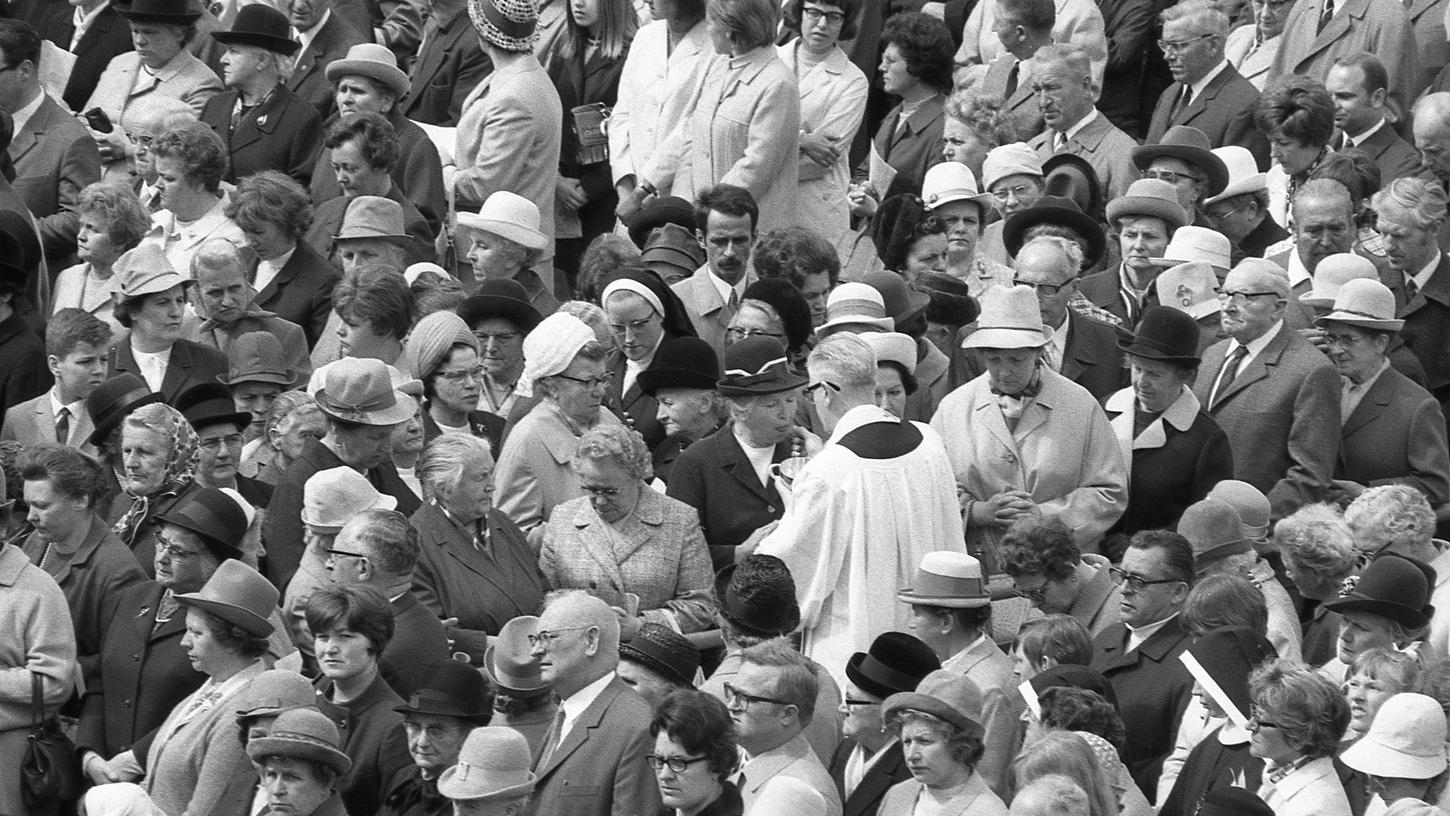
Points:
(283, 133)
(1395, 157)
(509, 138)
(185, 77)
(833, 102)
(656, 553)
(637, 409)
(714, 476)
(743, 128)
(1092, 358)
(453, 579)
(302, 291)
(792, 759)
(1396, 435)
(1427, 325)
(1381, 27)
(533, 475)
(975, 800)
(912, 150)
(190, 364)
(865, 799)
(1428, 19)
(32, 423)
(309, 77)
(108, 36)
(418, 172)
(55, 158)
(1105, 147)
(372, 737)
(1173, 463)
(1251, 58)
(1063, 453)
(1224, 111)
(36, 638)
(449, 66)
(1152, 688)
(1021, 102)
(282, 530)
(709, 314)
(599, 768)
(1281, 414)
(655, 93)
(195, 763)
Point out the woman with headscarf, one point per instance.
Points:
(642, 314)
(442, 353)
(159, 453)
(565, 361)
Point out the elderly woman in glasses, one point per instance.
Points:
(695, 755)
(664, 575)
(1296, 720)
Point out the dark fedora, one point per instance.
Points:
(1073, 676)
(1187, 144)
(1063, 212)
(757, 596)
(1164, 334)
(211, 514)
(239, 595)
(175, 12)
(756, 366)
(895, 663)
(1071, 176)
(661, 211)
(672, 250)
(902, 303)
(113, 400)
(500, 298)
(207, 404)
(451, 689)
(681, 362)
(786, 300)
(665, 652)
(260, 25)
(1392, 586)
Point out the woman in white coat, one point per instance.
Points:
(833, 100)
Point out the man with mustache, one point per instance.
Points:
(725, 221)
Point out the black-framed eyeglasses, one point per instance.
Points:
(675, 764)
(734, 696)
(815, 15)
(1176, 46)
(818, 385)
(1225, 295)
(1256, 721)
(853, 702)
(1138, 582)
(548, 636)
(331, 553)
(593, 382)
(1042, 288)
(737, 333)
(1170, 176)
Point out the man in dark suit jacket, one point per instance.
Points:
(1419, 275)
(1129, 26)
(1273, 393)
(1360, 87)
(326, 37)
(595, 765)
(103, 38)
(1141, 663)
(447, 69)
(264, 125)
(54, 155)
(1009, 76)
(1218, 100)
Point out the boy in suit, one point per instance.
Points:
(76, 344)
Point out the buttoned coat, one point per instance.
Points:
(1173, 463)
(190, 364)
(309, 77)
(793, 759)
(1427, 325)
(599, 768)
(55, 158)
(1092, 358)
(656, 553)
(743, 128)
(976, 799)
(708, 312)
(655, 93)
(534, 473)
(185, 77)
(1396, 435)
(911, 149)
(886, 772)
(1152, 688)
(108, 36)
(136, 653)
(1395, 157)
(1063, 453)
(1105, 147)
(454, 580)
(636, 408)
(509, 138)
(714, 476)
(372, 736)
(1281, 414)
(32, 423)
(1380, 27)
(1223, 110)
(448, 67)
(26, 375)
(1021, 103)
(833, 102)
(418, 172)
(1252, 59)
(301, 292)
(283, 133)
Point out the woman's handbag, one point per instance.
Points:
(50, 775)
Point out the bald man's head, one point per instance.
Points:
(578, 641)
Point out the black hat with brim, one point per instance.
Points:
(175, 12)
(681, 362)
(262, 26)
(661, 211)
(1054, 182)
(113, 400)
(506, 299)
(1165, 334)
(895, 663)
(1061, 211)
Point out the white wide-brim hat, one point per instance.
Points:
(508, 215)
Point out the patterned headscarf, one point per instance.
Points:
(183, 454)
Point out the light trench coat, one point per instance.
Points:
(833, 100)
(654, 94)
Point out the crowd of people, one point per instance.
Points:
(724, 407)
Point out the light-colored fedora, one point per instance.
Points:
(1153, 197)
(947, 578)
(361, 391)
(1015, 159)
(893, 347)
(855, 304)
(1188, 144)
(1333, 272)
(1213, 527)
(142, 271)
(272, 692)
(1193, 243)
(509, 661)
(1366, 304)
(1243, 173)
(507, 215)
(1010, 318)
(303, 733)
(1189, 288)
(1406, 740)
(953, 181)
(373, 217)
(376, 62)
(331, 497)
(946, 694)
(239, 595)
(493, 764)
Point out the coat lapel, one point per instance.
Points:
(587, 721)
(734, 462)
(177, 370)
(1372, 406)
(31, 135)
(1258, 368)
(988, 413)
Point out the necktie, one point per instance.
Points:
(1012, 80)
(1226, 377)
(1411, 289)
(1059, 141)
(1326, 15)
(556, 733)
(732, 305)
(1182, 104)
(62, 426)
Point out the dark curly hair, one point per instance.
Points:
(794, 253)
(1076, 709)
(1040, 546)
(381, 298)
(376, 139)
(1309, 710)
(271, 197)
(701, 724)
(795, 8)
(1300, 107)
(925, 44)
(361, 609)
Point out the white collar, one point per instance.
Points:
(1197, 87)
(580, 700)
(1358, 138)
(1081, 123)
(76, 408)
(1140, 634)
(724, 288)
(1298, 272)
(1258, 344)
(21, 117)
(82, 19)
(1422, 278)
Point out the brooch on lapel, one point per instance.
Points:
(262, 120)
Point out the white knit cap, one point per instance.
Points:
(550, 348)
